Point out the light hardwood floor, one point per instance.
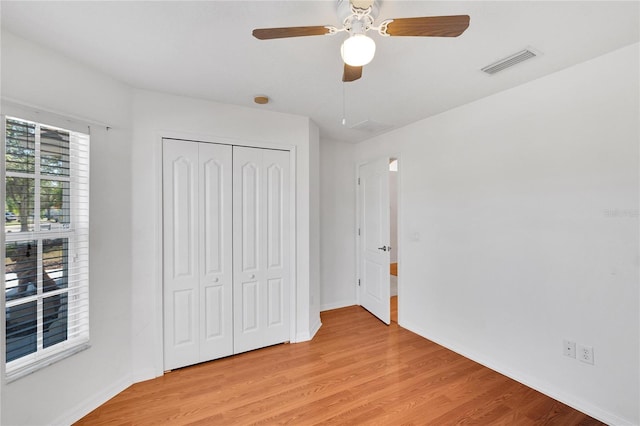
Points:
(394, 308)
(393, 269)
(355, 371)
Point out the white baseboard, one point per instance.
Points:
(305, 336)
(93, 402)
(146, 374)
(302, 337)
(570, 400)
(314, 329)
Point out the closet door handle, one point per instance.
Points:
(252, 276)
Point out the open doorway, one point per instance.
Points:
(393, 238)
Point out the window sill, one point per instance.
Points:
(19, 372)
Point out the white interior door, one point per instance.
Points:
(261, 247)
(197, 252)
(373, 199)
(215, 245)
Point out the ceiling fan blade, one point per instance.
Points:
(270, 33)
(429, 26)
(351, 73)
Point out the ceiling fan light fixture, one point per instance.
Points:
(358, 50)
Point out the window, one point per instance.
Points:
(46, 246)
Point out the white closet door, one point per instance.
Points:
(197, 252)
(261, 247)
(216, 258)
(181, 275)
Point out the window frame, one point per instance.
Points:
(77, 236)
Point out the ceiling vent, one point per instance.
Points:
(510, 61)
(370, 126)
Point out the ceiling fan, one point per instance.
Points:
(357, 18)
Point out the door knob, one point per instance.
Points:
(252, 276)
(216, 279)
(383, 248)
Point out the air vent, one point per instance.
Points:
(510, 61)
(370, 126)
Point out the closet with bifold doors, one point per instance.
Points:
(226, 250)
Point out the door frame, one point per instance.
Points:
(400, 244)
(159, 288)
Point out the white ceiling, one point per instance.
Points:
(204, 49)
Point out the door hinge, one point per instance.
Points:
(358, 231)
(358, 181)
(358, 281)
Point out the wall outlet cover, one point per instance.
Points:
(585, 354)
(569, 348)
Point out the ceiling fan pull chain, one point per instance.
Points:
(344, 113)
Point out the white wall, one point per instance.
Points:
(64, 391)
(526, 203)
(338, 223)
(314, 230)
(156, 115)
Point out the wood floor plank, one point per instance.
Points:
(393, 309)
(355, 371)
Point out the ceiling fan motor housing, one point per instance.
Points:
(344, 10)
(358, 26)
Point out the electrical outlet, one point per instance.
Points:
(585, 354)
(569, 348)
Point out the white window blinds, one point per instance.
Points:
(46, 250)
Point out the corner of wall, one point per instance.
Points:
(338, 225)
(314, 228)
(89, 404)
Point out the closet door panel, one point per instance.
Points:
(250, 214)
(214, 312)
(275, 216)
(261, 247)
(183, 212)
(180, 222)
(249, 307)
(213, 214)
(184, 316)
(216, 263)
(276, 165)
(247, 253)
(275, 299)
